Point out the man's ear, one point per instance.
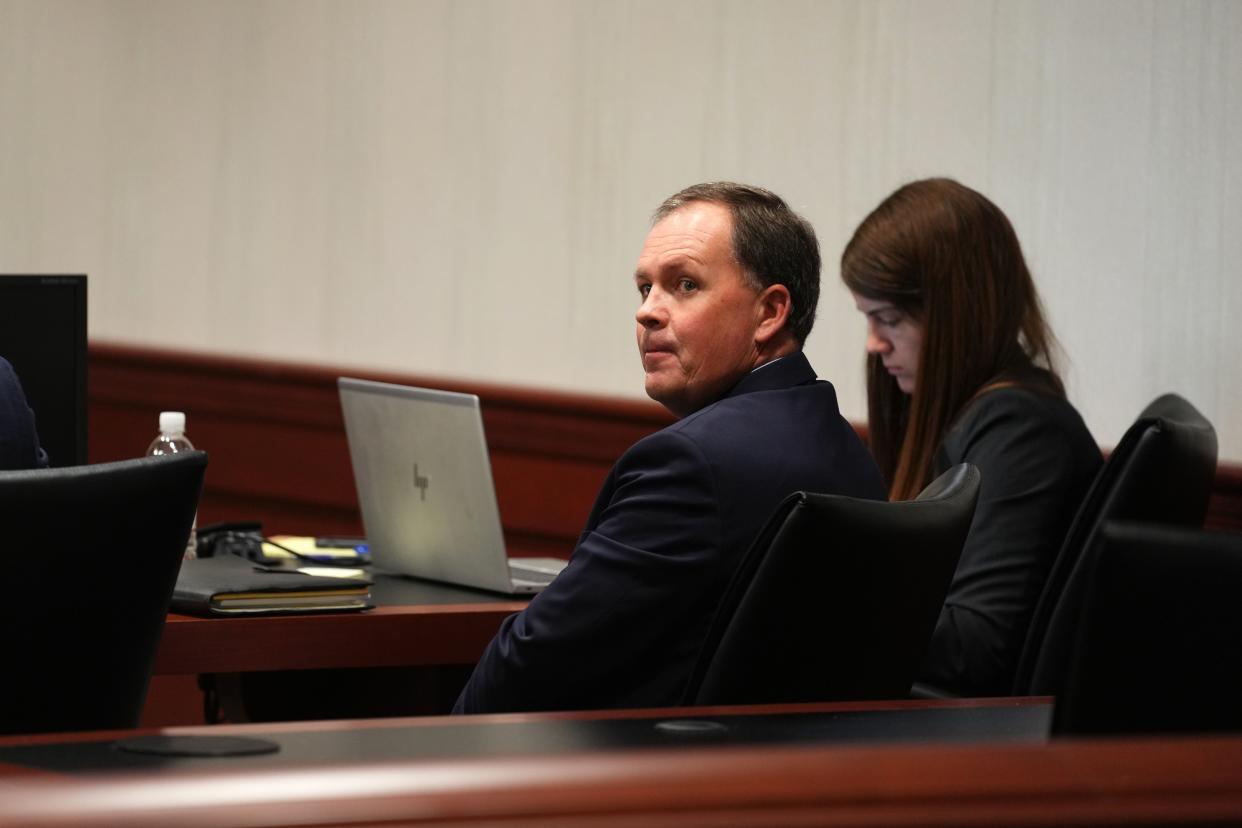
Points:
(773, 308)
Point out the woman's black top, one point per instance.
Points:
(1036, 461)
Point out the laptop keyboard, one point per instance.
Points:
(532, 574)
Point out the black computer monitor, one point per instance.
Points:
(43, 335)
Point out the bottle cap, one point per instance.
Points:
(172, 422)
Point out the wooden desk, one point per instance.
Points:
(415, 624)
(783, 766)
(1009, 720)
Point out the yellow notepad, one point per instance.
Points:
(305, 545)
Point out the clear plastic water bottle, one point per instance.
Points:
(171, 440)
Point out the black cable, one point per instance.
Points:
(353, 563)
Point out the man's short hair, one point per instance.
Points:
(772, 243)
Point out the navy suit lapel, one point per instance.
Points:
(785, 372)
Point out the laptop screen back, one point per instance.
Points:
(424, 483)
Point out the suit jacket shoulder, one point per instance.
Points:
(19, 441)
(621, 626)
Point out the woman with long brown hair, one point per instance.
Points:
(960, 368)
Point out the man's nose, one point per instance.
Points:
(651, 313)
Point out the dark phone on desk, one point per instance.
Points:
(244, 539)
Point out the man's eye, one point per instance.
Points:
(686, 284)
(643, 290)
(889, 321)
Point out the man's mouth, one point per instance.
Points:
(654, 354)
(656, 347)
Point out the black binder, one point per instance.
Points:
(229, 585)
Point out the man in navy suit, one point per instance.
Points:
(728, 281)
(19, 442)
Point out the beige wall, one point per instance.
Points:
(460, 187)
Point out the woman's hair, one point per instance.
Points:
(949, 259)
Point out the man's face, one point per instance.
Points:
(698, 317)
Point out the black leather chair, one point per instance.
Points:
(90, 558)
(1160, 472)
(837, 598)
(1159, 647)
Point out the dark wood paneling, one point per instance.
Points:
(278, 453)
(1225, 507)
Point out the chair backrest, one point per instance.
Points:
(90, 558)
(1160, 472)
(837, 598)
(1159, 648)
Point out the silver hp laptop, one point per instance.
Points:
(425, 488)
